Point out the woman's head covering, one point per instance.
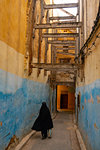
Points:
(43, 103)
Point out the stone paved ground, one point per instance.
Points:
(63, 136)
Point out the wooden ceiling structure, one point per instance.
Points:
(64, 39)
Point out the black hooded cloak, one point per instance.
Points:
(44, 120)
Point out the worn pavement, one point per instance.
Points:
(63, 135)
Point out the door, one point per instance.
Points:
(64, 101)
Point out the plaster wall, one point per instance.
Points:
(20, 95)
(13, 23)
(88, 85)
(89, 15)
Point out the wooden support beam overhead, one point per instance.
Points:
(58, 70)
(66, 71)
(63, 25)
(67, 12)
(72, 84)
(59, 35)
(69, 48)
(49, 66)
(64, 53)
(61, 70)
(66, 46)
(62, 45)
(61, 41)
(62, 18)
(57, 6)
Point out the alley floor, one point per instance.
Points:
(63, 136)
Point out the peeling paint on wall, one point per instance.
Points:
(91, 100)
(19, 107)
(0, 123)
(98, 99)
(95, 126)
(82, 107)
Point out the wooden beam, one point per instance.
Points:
(71, 84)
(61, 42)
(66, 71)
(61, 70)
(59, 35)
(64, 53)
(64, 22)
(64, 45)
(62, 17)
(57, 6)
(50, 66)
(59, 25)
(67, 12)
(69, 48)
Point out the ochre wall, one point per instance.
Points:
(21, 94)
(15, 43)
(13, 23)
(71, 96)
(91, 66)
(90, 12)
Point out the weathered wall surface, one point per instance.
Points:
(20, 95)
(20, 101)
(88, 86)
(64, 77)
(88, 15)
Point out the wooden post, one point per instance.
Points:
(40, 36)
(46, 43)
(79, 29)
(82, 28)
(78, 39)
(53, 54)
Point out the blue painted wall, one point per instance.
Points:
(89, 114)
(20, 101)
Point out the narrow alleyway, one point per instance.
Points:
(50, 52)
(63, 136)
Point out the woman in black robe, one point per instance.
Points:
(44, 121)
